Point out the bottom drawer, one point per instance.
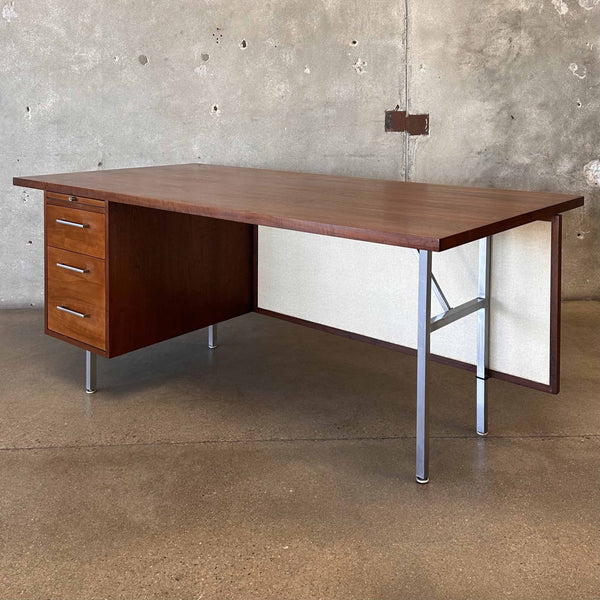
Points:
(76, 299)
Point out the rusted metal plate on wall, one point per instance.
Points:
(399, 120)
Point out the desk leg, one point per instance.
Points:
(424, 330)
(483, 334)
(212, 336)
(90, 372)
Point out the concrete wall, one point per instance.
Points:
(512, 88)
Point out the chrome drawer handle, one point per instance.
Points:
(72, 312)
(72, 199)
(71, 223)
(70, 268)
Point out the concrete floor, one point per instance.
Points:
(282, 466)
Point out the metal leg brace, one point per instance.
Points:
(428, 324)
(212, 336)
(90, 372)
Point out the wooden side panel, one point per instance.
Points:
(171, 273)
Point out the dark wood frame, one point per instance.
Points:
(555, 300)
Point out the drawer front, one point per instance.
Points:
(76, 230)
(76, 298)
(64, 200)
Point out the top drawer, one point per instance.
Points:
(75, 201)
(75, 229)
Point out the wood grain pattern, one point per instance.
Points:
(81, 292)
(171, 273)
(415, 215)
(88, 240)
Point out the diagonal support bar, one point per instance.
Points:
(458, 312)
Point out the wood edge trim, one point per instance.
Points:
(545, 214)
(536, 385)
(75, 342)
(107, 271)
(254, 267)
(555, 302)
(29, 183)
(45, 267)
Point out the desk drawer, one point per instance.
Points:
(76, 298)
(75, 229)
(74, 201)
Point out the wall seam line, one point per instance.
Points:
(406, 135)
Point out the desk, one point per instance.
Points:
(137, 256)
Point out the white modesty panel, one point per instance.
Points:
(371, 289)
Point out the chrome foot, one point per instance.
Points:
(90, 372)
(212, 336)
(422, 481)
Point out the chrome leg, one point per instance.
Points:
(483, 334)
(424, 330)
(90, 372)
(437, 290)
(212, 336)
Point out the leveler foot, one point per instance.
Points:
(212, 336)
(90, 372)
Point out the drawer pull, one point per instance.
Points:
(72, 223)
(72, 199)
(70, 268)
(72, 312)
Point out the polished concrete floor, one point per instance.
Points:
(281, 465)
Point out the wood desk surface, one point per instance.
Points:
(414, 215)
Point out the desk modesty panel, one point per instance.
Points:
(371, 290)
